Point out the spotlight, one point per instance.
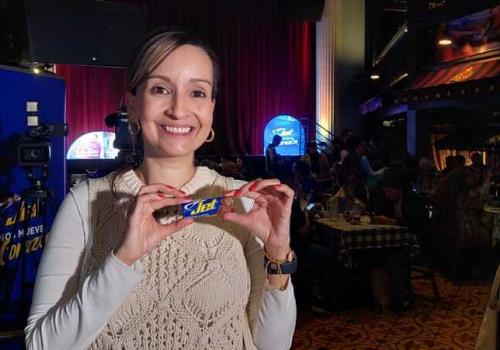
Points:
(36, 70)
(445, 42)
(374, 76)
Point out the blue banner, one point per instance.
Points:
(24, 218)
(23, 233)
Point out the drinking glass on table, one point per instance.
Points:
(356, 213)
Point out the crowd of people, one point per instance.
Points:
(444, 209)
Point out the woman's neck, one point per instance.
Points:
(173, 171)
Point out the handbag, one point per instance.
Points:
(488, 338)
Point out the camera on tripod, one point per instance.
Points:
(130, 147)
(34, 148)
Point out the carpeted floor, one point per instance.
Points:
(450, 324)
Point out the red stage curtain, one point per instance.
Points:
(91, 94)
(267, 64)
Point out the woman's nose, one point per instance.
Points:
(178, 108)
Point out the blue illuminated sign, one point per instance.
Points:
(291, 131)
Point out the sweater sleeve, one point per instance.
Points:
(272, 313)
(65, 315)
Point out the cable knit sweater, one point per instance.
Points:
(202, 288)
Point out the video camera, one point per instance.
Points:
(33, 149)
(130, 148)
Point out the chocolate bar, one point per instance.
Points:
(197, 208)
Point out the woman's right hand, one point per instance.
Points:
(143, 232)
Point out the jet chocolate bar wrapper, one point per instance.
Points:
(206, 207)
(197, 208)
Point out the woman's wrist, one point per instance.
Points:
(121, 255)
(278, 253)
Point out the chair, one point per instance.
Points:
(422, 265)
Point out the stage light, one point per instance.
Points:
(36, 70)
(445, 42)
(375, 76)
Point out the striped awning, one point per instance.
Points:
(457, 74)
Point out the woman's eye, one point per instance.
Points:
(159, 90)
(199, 93)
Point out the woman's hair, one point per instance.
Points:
(156, 48)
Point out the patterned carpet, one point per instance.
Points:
(449, 324)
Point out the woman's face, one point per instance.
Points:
(174, 104)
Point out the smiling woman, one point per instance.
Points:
(176, 103)
(116, 274)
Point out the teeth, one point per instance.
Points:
(177, 130)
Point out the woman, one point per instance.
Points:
(460, 223)
(113, 277)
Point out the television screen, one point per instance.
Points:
(469, 35)
(93, 145)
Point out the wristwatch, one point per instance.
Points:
(283, 267)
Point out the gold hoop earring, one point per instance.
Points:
(211, 137)
(134, 128)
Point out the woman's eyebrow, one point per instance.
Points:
(192, 80)
(159, 76)
(200, 80)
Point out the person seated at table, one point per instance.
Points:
(406, 207)
(346, 196)
(308, 184)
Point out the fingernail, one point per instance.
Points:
(277, 186)
(162, 195)
(253, 187)
(237, 193)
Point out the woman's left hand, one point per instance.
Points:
(269, 218)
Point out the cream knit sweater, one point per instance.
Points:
(202, 288)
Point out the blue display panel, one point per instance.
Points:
(291, 131)
(26, 217)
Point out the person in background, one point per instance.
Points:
(450, 165)
(460, 159)
(229, 168)
(345, 137)
(480, 170)
(462, 234)
(245, 172)
(426, 177)
(118, 273)
(406, 209)
(274, 161)
(318, 162)
(345, 197)
(308, 183)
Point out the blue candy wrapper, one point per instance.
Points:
(203, 207)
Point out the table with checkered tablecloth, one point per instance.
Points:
(346, 237)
